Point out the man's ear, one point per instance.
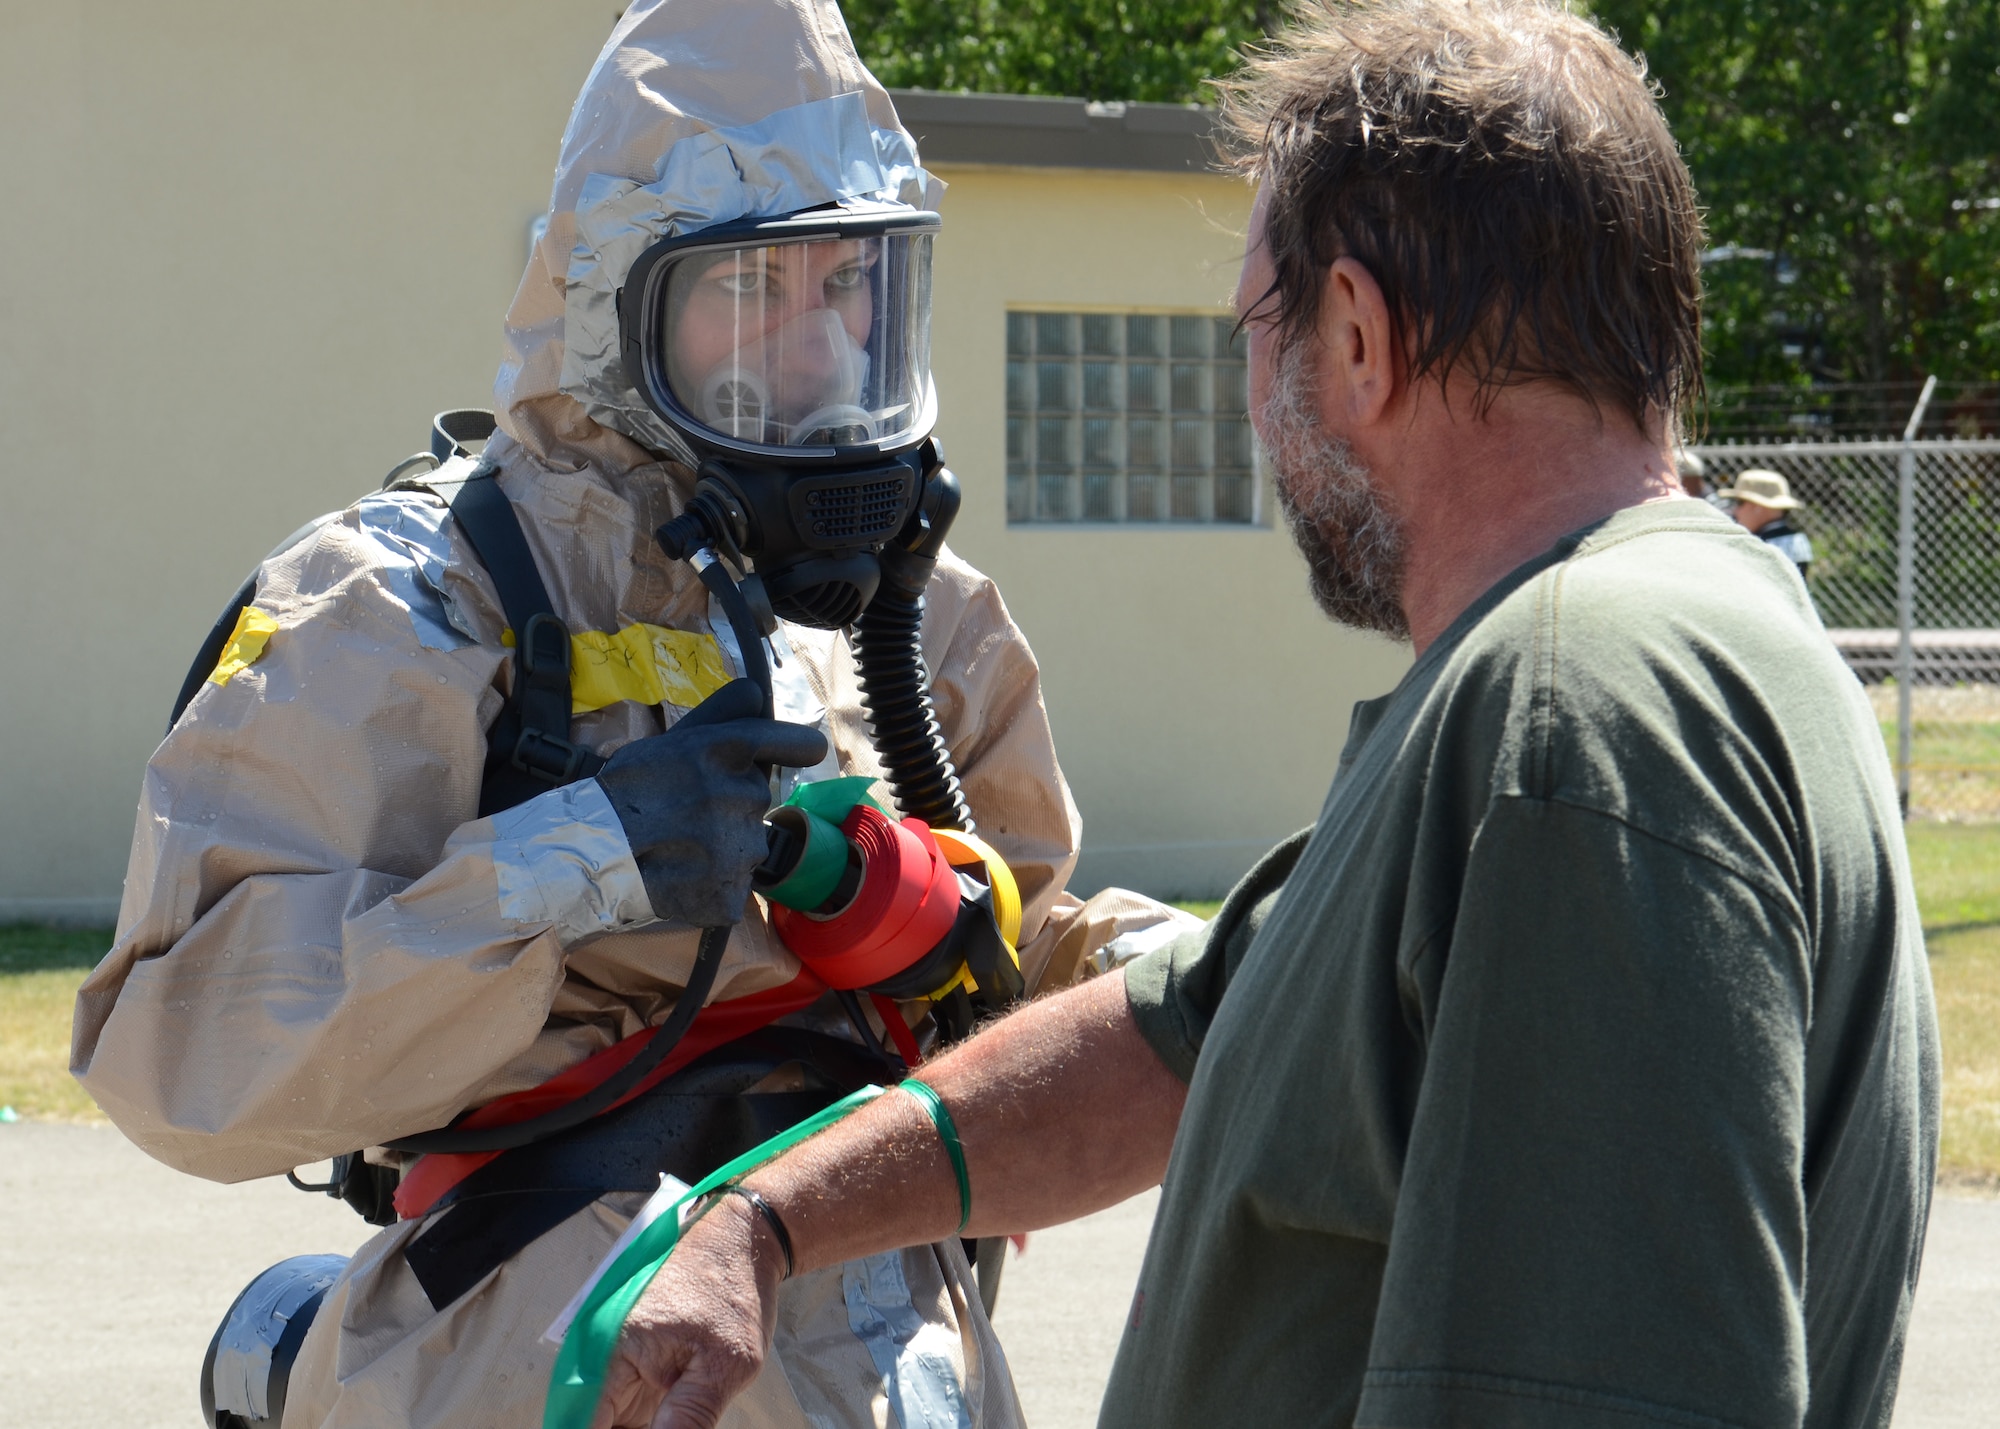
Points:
(1357, 342)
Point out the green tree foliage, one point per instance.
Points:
(1157, 50)
(1851, 147)
(1857, 142)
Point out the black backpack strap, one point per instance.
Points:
(696, 1120)
(528, 749)
(453, 432)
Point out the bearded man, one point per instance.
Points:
(1579, 1066)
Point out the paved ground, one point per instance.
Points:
(1951, 1371)
(114, 1271)
(1063, 1306)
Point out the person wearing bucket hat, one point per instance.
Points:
(337, 935)
(1763, 506)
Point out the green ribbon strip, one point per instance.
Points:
(947, 1131)
(577, 1381)
(834, 799)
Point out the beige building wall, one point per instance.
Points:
(251, 247)
(1198, 697)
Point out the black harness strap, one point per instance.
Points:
(453, 432)
(499, 1215)
(701, 1117)
(528, 750)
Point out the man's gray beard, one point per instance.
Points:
(1353, 545)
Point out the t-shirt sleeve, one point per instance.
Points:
(1174, 989)
(1601, 1218)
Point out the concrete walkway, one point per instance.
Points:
(114, 1272)
(1951, 1370)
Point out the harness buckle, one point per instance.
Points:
(548, 756)
(544, 651)
(543, 668)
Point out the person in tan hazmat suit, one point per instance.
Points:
(324, 945)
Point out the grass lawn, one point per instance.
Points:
(1957, 870)
(39, 972)
(1955, 748)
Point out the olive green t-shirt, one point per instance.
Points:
(1580, 1068)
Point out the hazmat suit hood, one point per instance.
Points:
(697, 112)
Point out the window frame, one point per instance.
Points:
(1071, 378)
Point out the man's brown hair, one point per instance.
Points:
(1504, 172)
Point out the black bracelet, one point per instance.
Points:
(770, 1214)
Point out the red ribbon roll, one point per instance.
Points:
(907, 901)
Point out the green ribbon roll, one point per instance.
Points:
(819, 808)
(817, 873)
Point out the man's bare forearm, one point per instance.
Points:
(1063, 1109)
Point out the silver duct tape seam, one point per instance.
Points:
(408, 528)
(257, 1322)
(919, 1373)
(562, 859)
(1141, 941)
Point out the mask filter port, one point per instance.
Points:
(841, 512)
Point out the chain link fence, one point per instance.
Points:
(1906, 575)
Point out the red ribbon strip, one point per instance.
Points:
(900, 1035)
(715, 1024)
(907, 902)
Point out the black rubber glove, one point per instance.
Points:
(693, 800)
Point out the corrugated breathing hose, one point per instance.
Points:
(902, 725)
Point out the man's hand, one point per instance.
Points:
(1062, 1107)
(692, 801)
(698, 1335)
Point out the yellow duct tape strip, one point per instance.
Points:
(647, 664)
(246, 643)
(970, 848)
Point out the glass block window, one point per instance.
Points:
(1127, 417)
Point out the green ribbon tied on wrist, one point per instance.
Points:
(577, 1381)
(947, 1131)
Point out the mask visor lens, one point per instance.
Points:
(811, 343)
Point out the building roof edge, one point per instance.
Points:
(1035, 131)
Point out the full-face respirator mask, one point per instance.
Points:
(793, 356)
